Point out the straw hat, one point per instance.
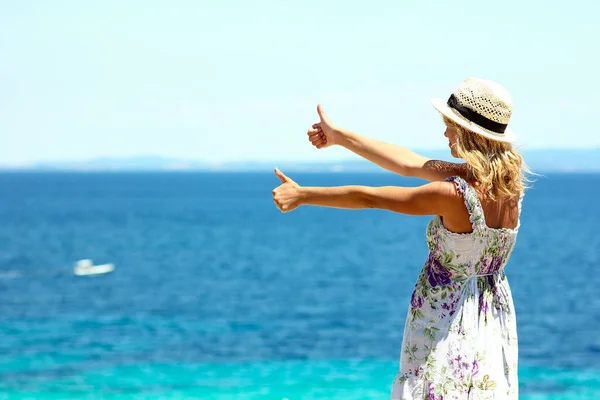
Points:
(481, 106)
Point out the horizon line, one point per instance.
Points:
(32, 163)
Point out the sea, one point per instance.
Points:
(218, 295)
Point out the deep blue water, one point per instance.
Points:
(218, 295)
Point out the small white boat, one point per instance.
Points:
(86, 267)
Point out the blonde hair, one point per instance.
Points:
(496, 166)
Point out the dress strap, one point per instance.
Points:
(521, 202)
(472, 202)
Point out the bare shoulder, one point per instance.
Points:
(444, 194)
(438, 170)
(448, 190)
(455, 215)
(450, 198)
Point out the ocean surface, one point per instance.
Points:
(218, 295)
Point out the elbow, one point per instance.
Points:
(402, 170)
(407, 172)
(368, 200)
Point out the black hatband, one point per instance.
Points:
(475, 117)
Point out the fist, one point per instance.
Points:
(323, 133)
(287, 195)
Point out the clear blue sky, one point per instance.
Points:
(240, 80)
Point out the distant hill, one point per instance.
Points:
(539, 160)
(138, 163)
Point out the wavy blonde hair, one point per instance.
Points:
(497, 167)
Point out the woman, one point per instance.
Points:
(460, 339)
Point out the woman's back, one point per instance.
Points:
(498, 213)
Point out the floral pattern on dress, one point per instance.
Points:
(460, 338)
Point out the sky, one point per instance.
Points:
(240, 80)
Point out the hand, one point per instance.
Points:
(323, 133)
(287, 195)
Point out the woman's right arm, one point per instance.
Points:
(388, 156)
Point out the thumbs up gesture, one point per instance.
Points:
(323, 133)
(287, 195)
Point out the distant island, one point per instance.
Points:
(539, 160)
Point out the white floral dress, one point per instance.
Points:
(460, 337)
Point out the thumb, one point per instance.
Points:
(322, 114)
(281, 176)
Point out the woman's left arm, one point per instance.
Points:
(430, 199)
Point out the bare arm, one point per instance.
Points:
(398, 159)
(437, 198)
(391, 157)
(424, 200)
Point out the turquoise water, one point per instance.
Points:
(344, 379)
(217, 295)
